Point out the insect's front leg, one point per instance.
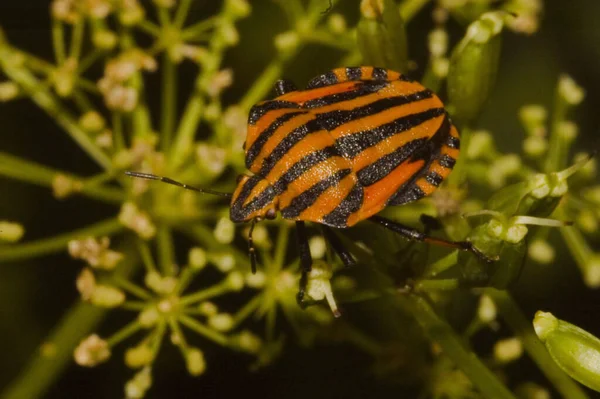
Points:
(305, 260)
(341, 251)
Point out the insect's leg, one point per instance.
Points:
(414, 234)
(338, 247)
(251, 248)
(283, 86)
(305, 260)
(429, 223)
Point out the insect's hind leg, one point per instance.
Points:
(305, 261)
(414, 234)
(338, 247)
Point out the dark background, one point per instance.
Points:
(34, 294)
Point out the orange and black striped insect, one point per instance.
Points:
(355, 141)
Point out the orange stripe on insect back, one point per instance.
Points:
(383, 117)
(424, 130)
(452, 152)
(367, 99)
(340, 74)
(366, 72)
(278, 135)
(393, 75)
(313, 142)
(312, 176)
(329, 200)
(262, 124)
(425, 186)
(377, 194)
(305, 95)
(259, 188)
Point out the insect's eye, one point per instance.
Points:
(271, 214)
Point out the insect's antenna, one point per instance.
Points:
(176, 183)
(251, 249)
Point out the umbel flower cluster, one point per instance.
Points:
(506, 204)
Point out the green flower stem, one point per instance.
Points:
(82, 101)
(510, 312)
(440, 332)
(410, 8)
(248, 309)
(202, 295)
(58, 41)
(578, 246)
(58, 243)
(201, 329)
(77, 39)
(48, 102)
(176, 329)
(187, 128)
(117, 127)
(198, 29)
(169, 101)
(263, 85)
(150, 28)
(134, 306)
(558, 149)
(326, 38)
(182, 13)
(441, 265)
(43, 370)
(130, 287)
(281, 245)
(19, 169)
(146, 256)
(89, 60)
(448, 284)
(124, 333)
(166, 250)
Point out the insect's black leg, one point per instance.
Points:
(305, 260)
(338, 247)
(283, 86)
(251, 248)
(414, 234)
(429, 223)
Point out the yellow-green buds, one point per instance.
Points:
(576, 351)
(381, 36)
(92, 351)
(473, 66)
(136, 387)
(194, 360)
(10, 231)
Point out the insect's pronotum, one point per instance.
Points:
(356, 140)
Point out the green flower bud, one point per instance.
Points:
(221, 321)
(194, 360)
(197, 258)
(139, 356)
(576, 351)
(107, 297)
(473, 66)
(140, 383)
(10, 231)
(381, 36)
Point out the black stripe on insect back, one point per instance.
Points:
(353, 73)
(361, 89)
(264, 136)
(238, 212)
(352, 145)
(326, 79)
(447, 161)
(333, 119)
(304, 164)
(379, 169)
(453, 142)
(308, 197)
(379, 74)
(434, 178)
(259, 110)
(352, 203)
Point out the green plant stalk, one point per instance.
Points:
(53, 107)
(440, 332)
(77, 39)
(207, 293)
(58, 41)
(166, 250)
(42, 371)
(169, 101)
(201, 329)
(410, 8)
(19, 169)
(58, 243)
(182, 13)
(558, 149)
(124, 333)
(521, 326)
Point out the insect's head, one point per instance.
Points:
(253, 199)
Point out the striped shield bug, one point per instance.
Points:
(356, 140)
